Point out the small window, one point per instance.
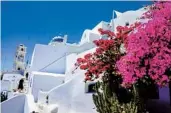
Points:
(58, 40)
(18, 69)
(27, 76)
(89, 87)
(127, 24)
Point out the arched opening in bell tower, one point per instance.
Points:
(22, 49)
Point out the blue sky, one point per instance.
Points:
(30, 23)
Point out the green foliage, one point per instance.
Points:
(105, 103)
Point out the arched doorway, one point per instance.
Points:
(27, 76)
(21, 85)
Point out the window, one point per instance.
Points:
(89, 87)
(18, 68)
(27, 76)
(58, 40)
(127, 24)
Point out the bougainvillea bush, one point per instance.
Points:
(147, 58)
(101, 65)
(148, 51)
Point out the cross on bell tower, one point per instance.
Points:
(19, 60)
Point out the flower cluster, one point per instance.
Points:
(149, 49)
(106, 54)
(97, 62)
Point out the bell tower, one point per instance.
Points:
(19, 60)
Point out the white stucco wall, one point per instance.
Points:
(45, 55)
(89, 36)
(13, 105)
(128, 16)
(70, 96)
(30, 105)
(70, 61)
(104, 25)
(52, 59)
(5, 85)
(44, 82)
(93, 36)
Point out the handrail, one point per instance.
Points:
(56, 60)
